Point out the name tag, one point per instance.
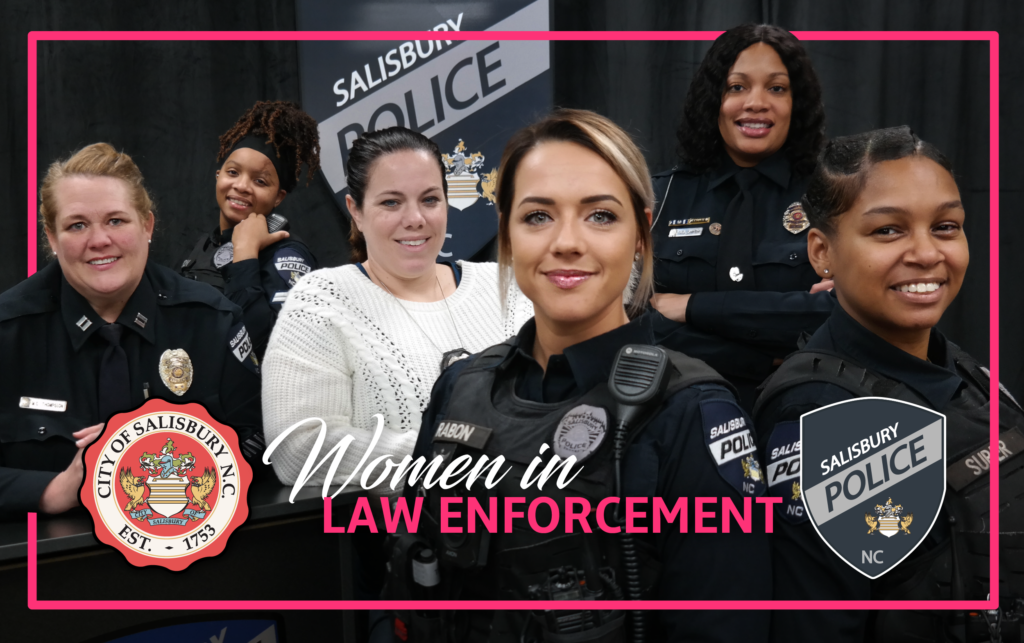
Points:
(465, 433)
(967, 470)
(39, 404)
(685, 232)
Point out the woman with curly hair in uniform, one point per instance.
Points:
(261, 159)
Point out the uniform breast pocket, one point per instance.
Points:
(685, 264)
(784, 266)
(680, 248)
(37, 426)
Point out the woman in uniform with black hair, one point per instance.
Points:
(887, 226)
(729, 234)
(574, 198)
(262, 157)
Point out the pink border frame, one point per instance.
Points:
(991, 37)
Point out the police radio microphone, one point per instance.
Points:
(638, 379)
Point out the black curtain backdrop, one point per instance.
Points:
(166, 102)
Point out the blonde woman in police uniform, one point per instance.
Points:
(86, 336)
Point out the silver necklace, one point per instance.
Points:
(447, 357)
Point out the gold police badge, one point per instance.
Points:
(176, 370)
(794, 219)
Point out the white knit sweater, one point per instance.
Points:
(343, 350)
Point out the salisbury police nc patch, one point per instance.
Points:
(783, 459)
(580, 432)
(241, 347)
(728, 436)
(291, 266)
(870, 468)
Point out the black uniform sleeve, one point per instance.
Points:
(701, 566)
(240, 383)
(804, 568)
(770, 321)
(259, 287)
(729, 358)
(20, 491)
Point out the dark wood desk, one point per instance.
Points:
(281, 553)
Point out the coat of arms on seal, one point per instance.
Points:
(166, 484)
(463, 179)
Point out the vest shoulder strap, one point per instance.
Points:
(821, 366)
(691, 371)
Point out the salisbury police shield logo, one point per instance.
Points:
(873, 477)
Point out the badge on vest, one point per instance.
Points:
(580, 432)
(471, 435)
(869, 467)
(290, 265)
(224, 255)
(794, 219)
(783, 460)
(727, 434)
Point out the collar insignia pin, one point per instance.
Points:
(140, 320)
(83, 323)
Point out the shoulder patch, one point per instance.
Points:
(291, 265)
(241, 347)
(730, 441)
(783, 457)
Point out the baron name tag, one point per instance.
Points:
(463, 433)
(685, 232)
(39, 404)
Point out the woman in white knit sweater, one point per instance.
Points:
(369, 337)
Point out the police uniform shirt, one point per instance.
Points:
(669, 459)
(739, 333)
(804, 567)
(259, 286)
(52, 352)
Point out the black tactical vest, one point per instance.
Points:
(200, 265)
(953, 562)
(484, 417)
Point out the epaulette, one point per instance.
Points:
(172, 290)
(40, 293)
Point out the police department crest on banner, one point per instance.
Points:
(869, 469)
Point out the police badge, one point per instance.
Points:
(224, 255)
(176, 370)
(855, 457)
(794, 219)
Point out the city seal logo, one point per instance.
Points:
(855, 457)
(463, 179)
(166, 484)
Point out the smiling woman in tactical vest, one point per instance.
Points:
(247, 257)
(574, 196)
(887, 225)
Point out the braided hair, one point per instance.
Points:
(291, 131)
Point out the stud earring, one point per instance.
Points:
(636, 256)
(826, 271)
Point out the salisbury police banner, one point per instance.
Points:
(470, 97)
(873, 476)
